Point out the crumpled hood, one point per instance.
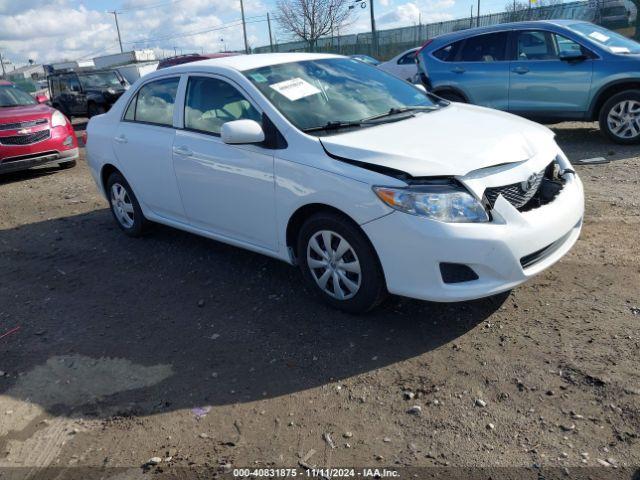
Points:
(452, 141)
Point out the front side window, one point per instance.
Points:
(536, 45)
(154, 102)
(70, 83)
(541, 45)
(314, 93)
(491, 47)
(211, 102)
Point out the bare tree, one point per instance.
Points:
(311, 19)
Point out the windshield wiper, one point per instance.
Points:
(338, 125)
(335, 125)
(397, 110)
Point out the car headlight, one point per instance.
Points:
(448, 203)
(58, 119)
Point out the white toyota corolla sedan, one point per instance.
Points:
(363, 180)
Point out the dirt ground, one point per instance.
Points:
(213, 358)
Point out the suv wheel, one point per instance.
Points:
(338, 262)
(620, 117)
(125, 207)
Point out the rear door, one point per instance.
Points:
(478, 67)
(143, 145)
(541, 83)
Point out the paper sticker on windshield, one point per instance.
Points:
(258, 77)
(295, 89)
(599, 36)
(619, 50)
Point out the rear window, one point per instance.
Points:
(448, 53)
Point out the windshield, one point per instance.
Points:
(14, 97)
(613, 41)
(315, 93)
(101, 79)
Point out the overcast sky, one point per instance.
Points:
(52, 30)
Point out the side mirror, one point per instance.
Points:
(242, 132)
(41, 98)
(574, 56)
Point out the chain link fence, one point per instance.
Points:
(393, 41)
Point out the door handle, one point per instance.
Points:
(182, 151)
(121, 139)
(521, 70)
(457, 70)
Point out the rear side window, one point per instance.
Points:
(491, 47)
(448, 53)
(154, 103)
(211, 102)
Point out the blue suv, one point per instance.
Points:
(549, 71)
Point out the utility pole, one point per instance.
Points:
(2, 64)
(374, 35)
(478, 14)
(471, 18)
(270, 37)
(115, 15)
(244, 28)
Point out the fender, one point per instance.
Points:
(591, 113)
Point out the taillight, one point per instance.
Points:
(84, 136)
(423, 47)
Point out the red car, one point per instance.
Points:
(33, 134)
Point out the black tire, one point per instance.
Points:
(65, 165)
(139, 224)
(611, 104)
(451, 96)
(372, 287)
(95, 109)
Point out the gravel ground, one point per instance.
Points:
(210, 357)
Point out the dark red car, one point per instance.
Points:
(33, 134)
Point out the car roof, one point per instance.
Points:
(249, 62)
(470, 32)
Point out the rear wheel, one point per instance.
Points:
(620, 117)
(125, 206)
(340, 264)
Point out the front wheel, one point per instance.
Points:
(125, 207)
(340, 264)
(620, 117)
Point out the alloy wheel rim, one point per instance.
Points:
(624, 119)
(121, 205)
(334, 265)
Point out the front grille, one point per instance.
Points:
(25, 124)
(39, 155)
(27, 139)
(517, 194)
(539, 255)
